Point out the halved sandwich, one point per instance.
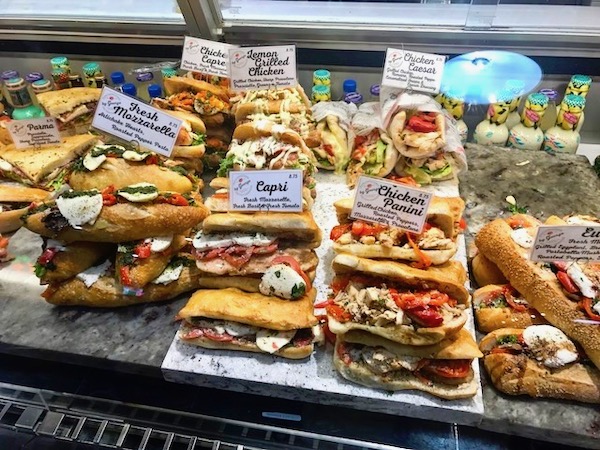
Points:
(73, 108)
(15, 198)
(418, 134)
(333, 151)
(436, 245)
(196, 96)
(191, 138)
(398, 302)
(134, 212)
(444, 369)
(539, 361)
(45, 167)
(231, 319)
(372, 154)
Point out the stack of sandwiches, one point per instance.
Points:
(73, 108)
(399, 305)
(543, 325)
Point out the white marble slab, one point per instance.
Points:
(315, 379)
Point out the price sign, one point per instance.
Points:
(132, 120)
(421, 72)
(266, 190)
(33, 132)
(391, 204)
(207, 57)
(566, 243)
(269, 67)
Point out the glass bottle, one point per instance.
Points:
(21, 100)
(94, 77)
(528, 135)
(455, 105)
(564, 137)
(117, 79)
(144, 79)
(30, 78)
(493, 130)
(579, 85)
(549, 118)
(321, 93)
(61, 72)
(516, 87)
(41, 86)
(321, 76)
(7, 75)
(75, 80)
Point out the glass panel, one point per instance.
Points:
(154, 11)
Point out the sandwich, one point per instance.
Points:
(444, 369)
(217, 145)
(333, 152)
(134, 212)
(265, 145)
(539, 361)
(372, 154)
(187, 94)
(98, 287)
(565, 293)
(500, 306)
(418, 134)
(222, 82)
(45, 167)
(191, 138)
(436, 245)
(120, 166)
(486, 272)
(59, 261)
(438, 167)
(397, 302)
(5, 138)
(73, 108)
(15, 198)
(231, 319)
(293, 95)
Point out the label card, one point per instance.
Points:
(566, 243)
(392, 204)
(265, 190)
(269, 67)
(34, 132)
(421, 72)
(133, 120)
(207, 57)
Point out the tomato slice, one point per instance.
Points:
(142, 250)
(426, 317)
(124, 275)
(449, 368)
(510, 299)
(290, 261)
(108, 196)
(339, 283)
(338, 231)
(587, 306)
(408, 180)
(360, 228)
(176, 200)
(328, 149)
(338, 313)
(462, 224)
(152, 159)
(323, 304)
(193, 334)
(566, 282)
(221, 195)
(46, 256)
(421, 124)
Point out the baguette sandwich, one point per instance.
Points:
(191, 138)
(73, 108)
(398, 302)
(230, 319)
(195, 96)
(565, 293)
(15, 198)
(46, 167)
(293, 95)
(539, 361)
(436, 245)
(443, 369)
(372, 154)
(418, 134)
(135, 212)
(486, 272)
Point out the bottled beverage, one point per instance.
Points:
(30, 78)
(493, 130)
(144, 79)
(579, 85)
(61, 72)
(564, 135)
(154, 90)
(117, 80)
(528, 135)
(40, 86)
(129, 89)
(7, 75)
(453, 103)
(168, 72)
(21, 100)
(550, 115)
(94, 77)
(322, 76)
(321, 93)
(348, 87)
(375, 91)
(75, 80)
(516, 87)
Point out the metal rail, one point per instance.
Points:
(117, 425)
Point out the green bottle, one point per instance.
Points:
(21, 100)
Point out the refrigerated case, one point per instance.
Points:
(115, 395)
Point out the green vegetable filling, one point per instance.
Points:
(75, 194)
(298, 290)
(508, 339)
(151, 189)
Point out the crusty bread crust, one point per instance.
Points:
(376, 251)
(266, 128)
(243, 110)
(243, 283)
(59, 102)
(195, 122)
(125, 222)
(402, 380)
(121, 173)
(299, 226)
(174, 85)
(486, 272)
(288, 352)
(252, 308)
(490, 319)
(77, 257)
(15, 192)
(188, 151)
(538, 286)
(11, 220)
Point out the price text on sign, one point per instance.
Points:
(391, 204)
(421, 72)
(34, 132)
(135, 121)
(566, 243)
(207, 57)
(265, 190)
(269, 67)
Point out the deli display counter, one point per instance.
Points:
(102, 359)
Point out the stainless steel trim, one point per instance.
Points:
(207, 18)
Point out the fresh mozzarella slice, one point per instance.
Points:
(522, 237)
(169, 275)
(91, 162)
(80, 210)
(109, 146)
(56, 245)
(239, 329)
(282, 281)
(318, 334)
(140, 192)
(161, 243)
(5, 166)
(271, 341)
(574, 220)
(584, 284)
(549, 345)
(93, 274)
(130, 155)
(259, 240)
(209, 241)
